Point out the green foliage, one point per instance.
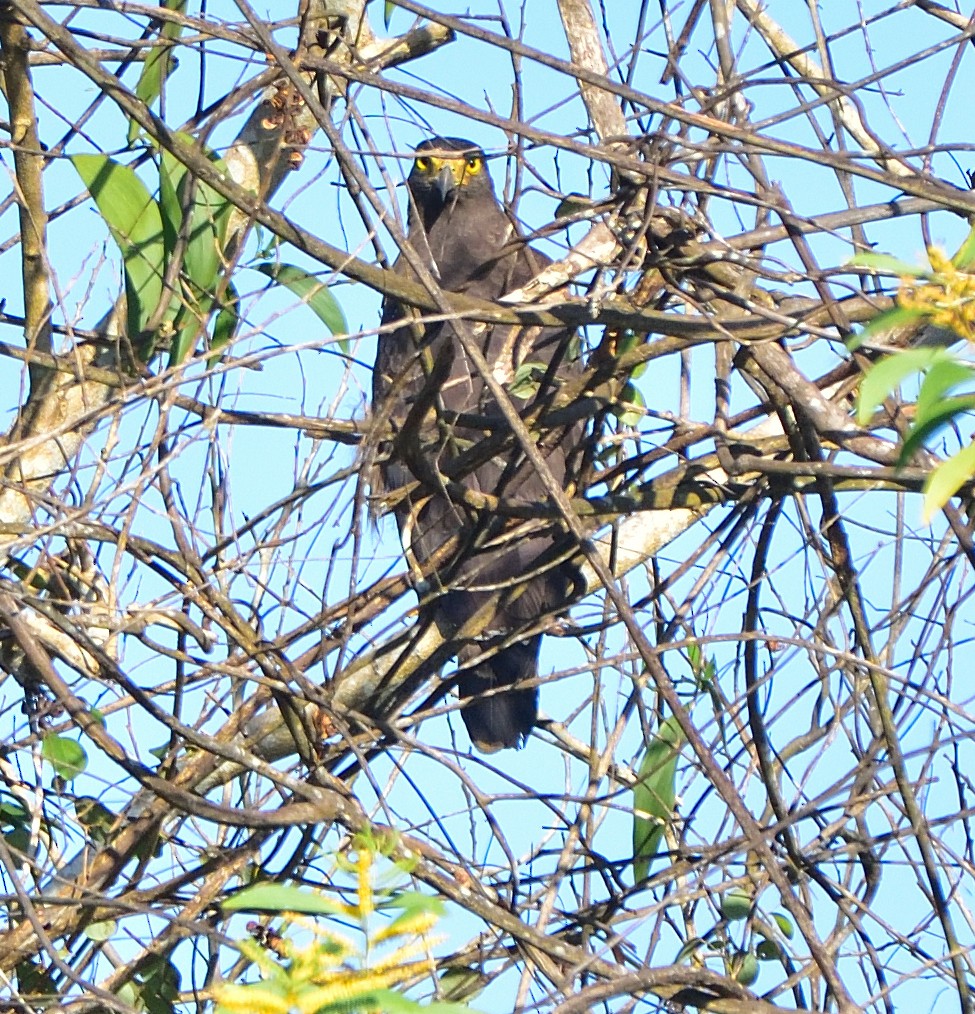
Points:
(15, 824)
(133, 219)
(67, 757)
(310, 291)
(943, 296)
(188, 222)
(525, 383)
(736, 904)
(741, 938)
(160, 63)
(937, 407)
(155, 989)
(654, 795)
(331, 974)
(281, 898)
(96, 819)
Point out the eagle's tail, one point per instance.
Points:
(497, 719)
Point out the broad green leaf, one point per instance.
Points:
(159, 64)
(629, 396)
(411, 903)
(96, 819)
(936, 418)
(744, 967)
(526, 380)
(965, 257)
(171, 173)
(189, 324)
(689, 949)
(281, 898)
(225, 326)
(458, 983)
(884, 264)
(942, 484)
(736, 904)
(207, 214)
(654, 795)
(886, 375)
(940, 378)
(129, 993)
(889, 320)
(573, 204)
(311, 291)
(133, 219)
(160, 985)
(18, 838)
(67, 757)
(101, 931)
(390, 1002)
(12, 811)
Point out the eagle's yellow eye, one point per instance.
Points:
(423, 164)
(473, 165)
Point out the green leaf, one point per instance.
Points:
(159, 64)
(160, 985)
(96, 819)
(311, 291)
(736, 904)
(208, 214)
(941, 377)
(411, 903)
(67, 757)
(388, 9)
(574, 204)
(744, 967)
(942, 484)
(187, 328)
(886, 375)
(654, 795)
(458, 983)
(390, 1002)
(884, 264)
(13, 812)
(889, 320)
(630, 396)
(18, 838)
(281, 898)
(965, 257)
(101, 931)
(883, 323)
(689, 949)
(785, 924)
(225, 326)
(133, 219)
(936, 418)
(526, 380)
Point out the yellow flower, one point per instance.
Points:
(945, 296)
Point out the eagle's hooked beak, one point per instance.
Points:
(445, 183)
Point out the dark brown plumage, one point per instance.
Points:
(462, 233)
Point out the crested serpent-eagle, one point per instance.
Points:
(497, 577)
